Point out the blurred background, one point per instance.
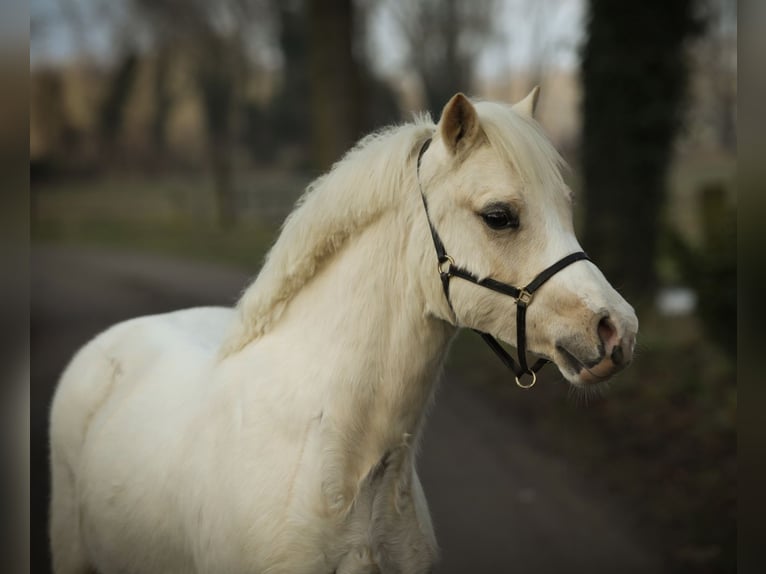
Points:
(170, 138)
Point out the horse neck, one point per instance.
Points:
(372, 347)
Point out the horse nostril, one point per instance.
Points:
(618, 355)
(607, 332)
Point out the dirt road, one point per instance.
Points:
(498, 504)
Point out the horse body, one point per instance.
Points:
(196, 460)
(282, 437)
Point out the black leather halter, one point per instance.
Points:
(523, 297)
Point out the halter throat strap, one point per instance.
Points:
(523, 297)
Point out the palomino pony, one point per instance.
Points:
(282, 436)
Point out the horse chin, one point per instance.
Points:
(574, 378)
(582, 373)
(585, 378)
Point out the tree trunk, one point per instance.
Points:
(162, 101)
(336, 106)
(223, 183)
(635, 75)
(215, 77)
(449, 76)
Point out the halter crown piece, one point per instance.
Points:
(523, 297)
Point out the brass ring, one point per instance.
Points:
(530, 385)
(440, 266)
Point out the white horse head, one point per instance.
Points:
(496, 196)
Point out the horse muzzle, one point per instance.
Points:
(614, 352)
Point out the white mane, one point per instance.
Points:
(363, 184)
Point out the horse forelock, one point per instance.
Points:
(521, 141)
(368, 180)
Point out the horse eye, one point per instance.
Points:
(500, 219)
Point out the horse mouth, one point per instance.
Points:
(580, 368)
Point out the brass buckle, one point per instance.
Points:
(531, 384)
(524, 297)
(450, 263)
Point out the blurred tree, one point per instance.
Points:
(711, 268)
(291, 109)
(337, 107)
(162, 98)
(328, 95)
(74, 13)
(635, 74)
(443, 39)
(48, 126)
(117, 95)
(47, 131)
(216, 77)
(283, 124)
(380, 100)
(716, 67)
(542, 42)
(213, 35)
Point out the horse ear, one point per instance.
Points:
(459, 124)
(528, 105)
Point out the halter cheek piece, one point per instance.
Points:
(523, 297)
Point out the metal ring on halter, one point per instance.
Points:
(530, 385)
(450, 263)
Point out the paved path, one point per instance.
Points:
(498, 504)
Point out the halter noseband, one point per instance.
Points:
(523, 297)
